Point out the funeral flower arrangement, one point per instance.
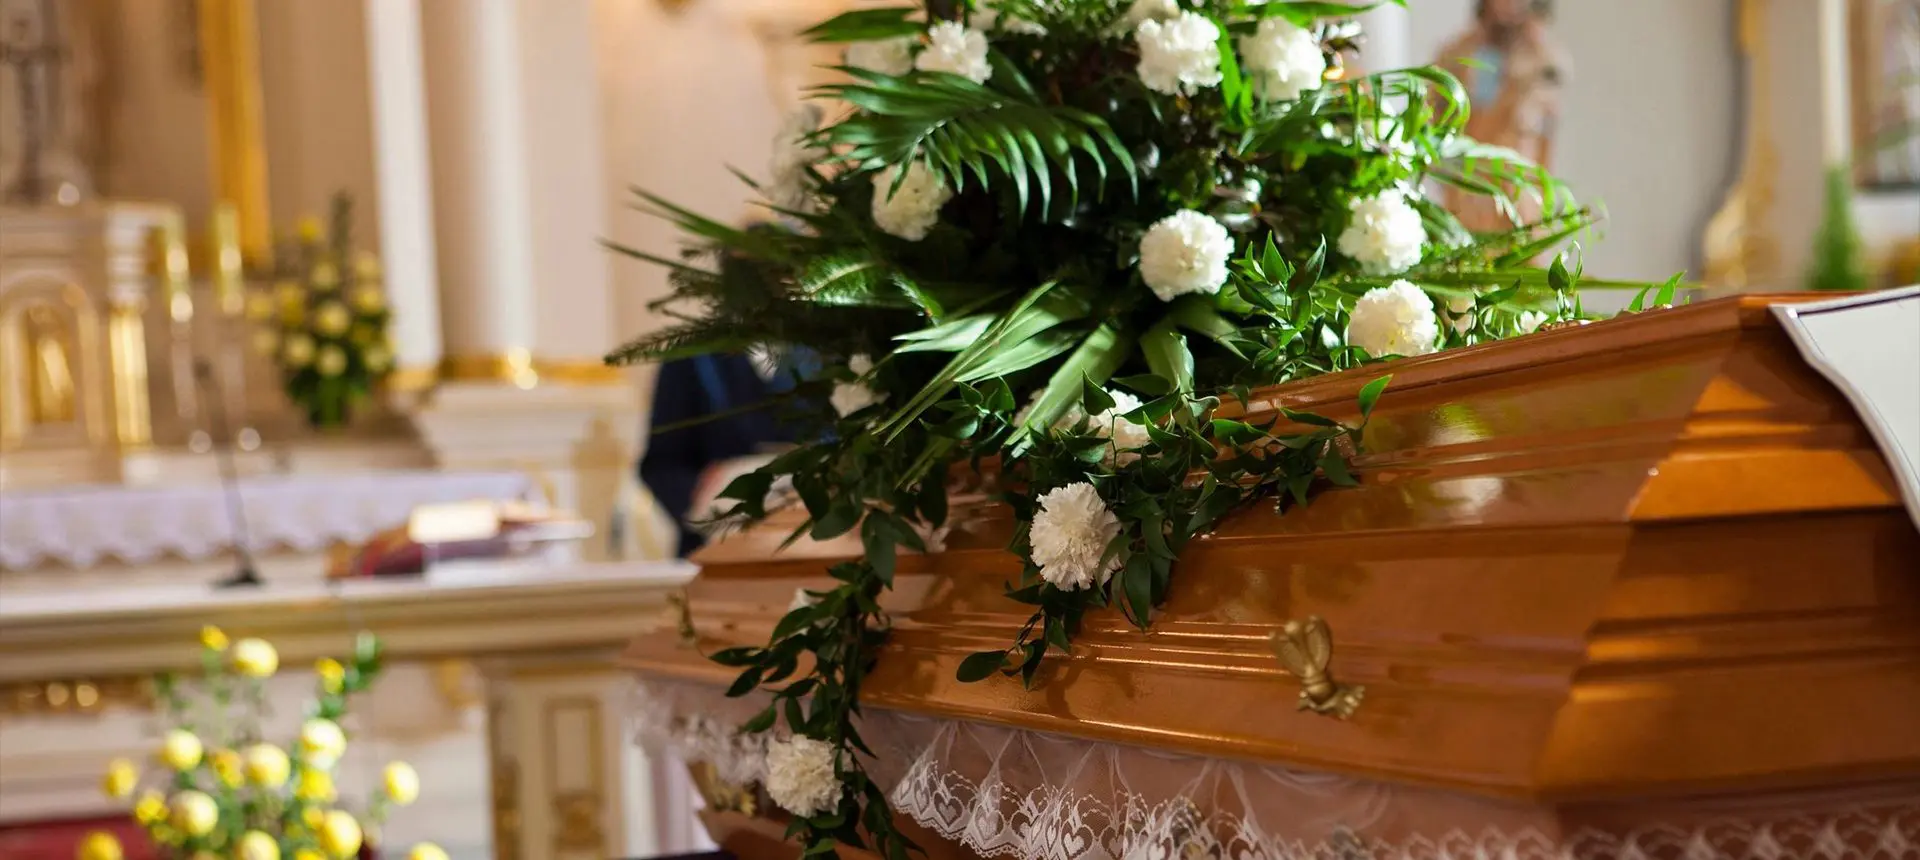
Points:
(222, 790)
(324, 321)
(1070, 236)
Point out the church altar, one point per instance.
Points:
(79, 527)
(501, 690)
(1642, 588)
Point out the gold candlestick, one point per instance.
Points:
(229, 284)
(176, 283)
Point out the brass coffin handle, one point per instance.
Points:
(1305, 648)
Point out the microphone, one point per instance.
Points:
(244, 573)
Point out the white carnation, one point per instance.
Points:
(1143, 11)
(1530, 321)
(1070, 534)
(1065, 420)
(793, 160)
(1127, 435)
(1284, 60)
(800, 776)
(850, 397)
(886, 56)
(1394, 320)
(954, 48)
(912, 209)
(988, 17)
(1179, 56)
(1185, 252)
(1384, 234)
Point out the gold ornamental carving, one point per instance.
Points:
(1305, 649)
(720, 795)
(75, 696)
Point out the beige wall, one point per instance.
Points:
(156, 112)
(313, 79)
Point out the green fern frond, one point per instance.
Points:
(959, 127)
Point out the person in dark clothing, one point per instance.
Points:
(686, 466)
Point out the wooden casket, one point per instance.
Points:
(1640, 589)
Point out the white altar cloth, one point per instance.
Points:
(83, 526)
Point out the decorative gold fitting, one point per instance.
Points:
(1305, 648)
(689, 638)
(720, 795)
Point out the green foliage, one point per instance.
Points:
(1838, 257)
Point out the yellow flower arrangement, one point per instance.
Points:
(330, 335)
(229, 794)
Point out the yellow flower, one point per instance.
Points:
(180, 750)
(151, 809)
(332, 319)
(99, 845)
(322, 742)
(255, 658)
(266, 341)
(194, 813)
(255, 845)
(310, 229)
(366, 266)
(403, 784)
(266, 765)
(290, 294)
(332, 674)
(308, 854)
(260, 306)
(325, 275)
(312, 818)
(298, 350)
(376, 358)
(213, 638)
(316, 786)
(332, 361)
(340, 834)
(226, 766)
(369, 300)
(121, 776)
(427, 851)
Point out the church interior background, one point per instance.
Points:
(161, 157)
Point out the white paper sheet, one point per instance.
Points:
(1869, 346)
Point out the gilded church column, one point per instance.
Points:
(482, 214)
(396, 74)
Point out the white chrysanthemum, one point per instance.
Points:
(1185, 252)
(1282, 59)
(1530, 321)
(1070, 534)
(989, 17)
(800, 776)
(912, 209)
(1384, 234)
(793, 160)
(886, 56)
(1395, 320)
(1143, 11)
(1181, 55)
(956, 49)
(851, 397)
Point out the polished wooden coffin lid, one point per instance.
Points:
(1652, 556)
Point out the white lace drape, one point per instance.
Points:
(1004, 792)
(82, 526)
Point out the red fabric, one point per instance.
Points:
(60, 840)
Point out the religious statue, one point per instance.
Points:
(50, 388)
(1513, 70)
(35, 130)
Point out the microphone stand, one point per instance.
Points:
(244, 574)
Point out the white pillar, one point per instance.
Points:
(405, 188)
(561, 86)
(1389, 45)
(483, 215)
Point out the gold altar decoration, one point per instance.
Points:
(230, 65)
(1600, 583)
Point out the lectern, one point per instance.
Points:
(1639, 589)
